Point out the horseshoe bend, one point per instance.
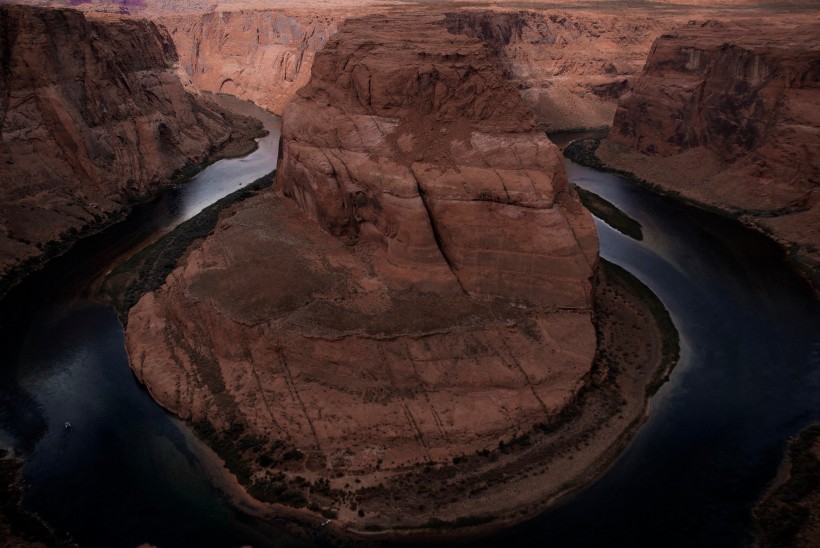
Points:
(408, 320)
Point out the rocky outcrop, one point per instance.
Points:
(418, 288)
(436, 158)
(570, 67)
(262, 56)
(727, 115)
(94, 113)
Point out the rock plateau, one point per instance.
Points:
(418, 288)
(94, 113)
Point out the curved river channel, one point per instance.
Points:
(129, 473)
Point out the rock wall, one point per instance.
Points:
(417, 288)
(94, 113)
(262, 56)
(429, 153)
(570, 67)
(728, 114)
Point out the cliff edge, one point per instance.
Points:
(728, 115)
(94, 113)
(417, 289)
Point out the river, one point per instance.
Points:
(127, 472)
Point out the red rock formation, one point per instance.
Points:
(262, 56)
(93, 113)
(424, 293)
(728, 115)
(428, 153)
(570, 67)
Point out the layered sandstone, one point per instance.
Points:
(728, 114)
(94, 113)
(429, 153)
(261, 56)
(570, 67)
(417, 289)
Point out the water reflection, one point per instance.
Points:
(748, 379)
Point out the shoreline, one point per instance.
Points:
(576, 434)
(146, 270)
(583, 151)
(231, 148)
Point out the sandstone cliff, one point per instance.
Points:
(93, 114)
(419, 287)
(728, 114)
(570, 67)
(262, 56)
(429, 153)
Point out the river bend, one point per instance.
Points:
(129, 473)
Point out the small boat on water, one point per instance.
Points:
(67, 425)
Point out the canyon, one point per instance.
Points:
(726, 115)
(418, 289)
(413, 331)
(569, 67)
(96, 113)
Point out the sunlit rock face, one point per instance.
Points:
(570, 67)
(262, 56)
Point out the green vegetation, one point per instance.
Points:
(582, 152)
(610, 214)
(146, 271)
(784, 512)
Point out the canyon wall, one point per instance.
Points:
(262, 56)
(94, 113)
(728, 114)
(569, 67)
(417, 288)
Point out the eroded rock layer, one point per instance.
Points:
(428, 153)
(261, 56)
(570, 67)
(728, 114)
(93, 113)
(419, 286)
